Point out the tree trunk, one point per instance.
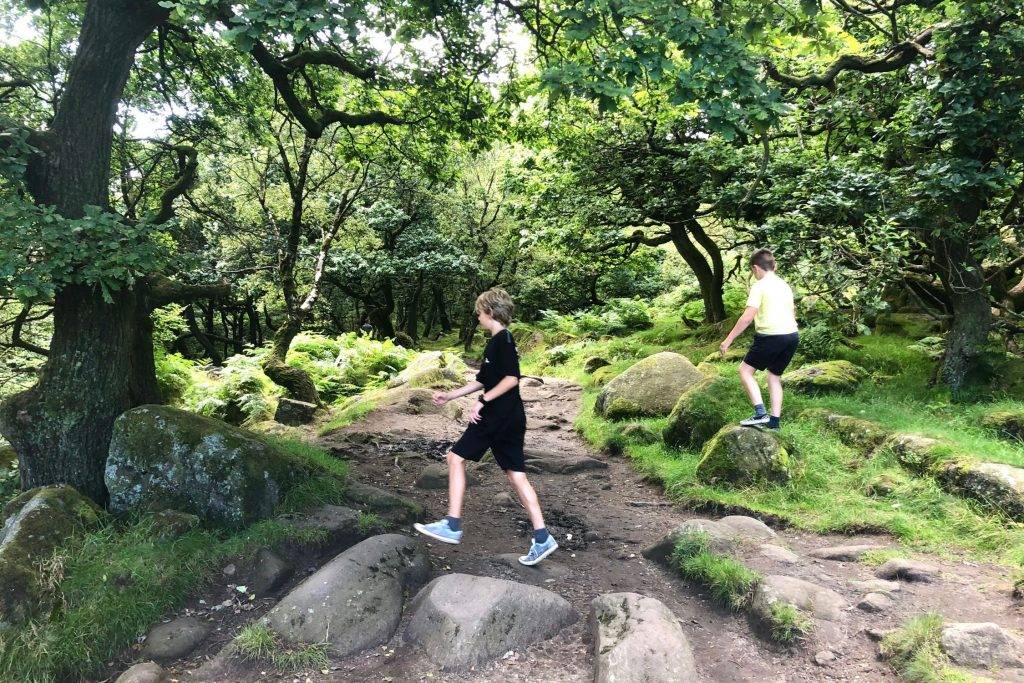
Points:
(963, 278)
(294, 380)
(711, 282)
(101, 354)
(205, 342)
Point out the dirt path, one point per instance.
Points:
(603, 518)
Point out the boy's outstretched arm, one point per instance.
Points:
(749, 313)
(442, 397)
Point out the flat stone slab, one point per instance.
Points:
(817, 601)
(723, 535)
(354, 601)
(175, 639)
(779, 554)
(907, 570)
(461, 621)
(844, 553)
(566, 464)
(982, 646)
(876, 586)
(637, 638)
(875, 602)
(538, 573)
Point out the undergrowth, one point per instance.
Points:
(915, 653)
(258, 643)
(728, 580)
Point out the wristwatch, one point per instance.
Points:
(483, 401)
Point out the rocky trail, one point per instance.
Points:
(543, 624)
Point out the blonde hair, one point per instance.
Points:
(496, 303)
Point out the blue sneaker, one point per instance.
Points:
(538, 551)
(439, 531)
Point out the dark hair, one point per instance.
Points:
(763, 258)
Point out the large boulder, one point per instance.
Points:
(831, 376)
(722, 535)
(650, 388)
(391, 506)
(35, 523)
(1009, 424)
(823, 606)
(431, 369)
(982, 646)
(637, 638)
(354, 601)
(701, 412)
(161, 457)
(998, 486)
(462, 621)
(741, 455)
(855, 432)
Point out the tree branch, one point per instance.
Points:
(17, 341)
(164, 290)
(188, 171)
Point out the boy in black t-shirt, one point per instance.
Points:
(496, 421)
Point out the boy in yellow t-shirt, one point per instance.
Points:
(770, 307)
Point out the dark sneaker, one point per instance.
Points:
(756, 420)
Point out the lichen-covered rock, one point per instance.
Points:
(742, 455)
(35, 523)
(1008, 424)
(604, 375)
(171, 524)
(161, 457)
(637, 638)
(855, 432)
(998, 486)
(593, 363)
(701, 412)
(831, 376)
(733, 355)
(650, 388)
(914, 451)
(881, 485)
(293, 412)
(431, 369)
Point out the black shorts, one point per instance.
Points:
(772, 352)
(505, 436)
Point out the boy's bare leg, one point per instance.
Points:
(750, 384)
(456, 484)
(775, 393)
(528, 497)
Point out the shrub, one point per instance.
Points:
(348, 364)
(173, 375)
(819, 342)
(238, 393)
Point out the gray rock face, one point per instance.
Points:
(823, 605)
(161, 457)
(876, 586)
(907, 570)
(340, 526)
(462, 621)
(435, 476)
(649, 388)
(355, 600)
(982, 645)
(566, 464)
(34, 524)
(843, 553)
(999, 486)
(723, 535)
(169, 524)
(174, 640)
(875, 602)
(292, 412)
(779, 554)
(638, 639)
(391, 506)
(268, 573)
(144, 672)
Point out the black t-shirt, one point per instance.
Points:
(500, 360)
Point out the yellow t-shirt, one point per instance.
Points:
(773, 299)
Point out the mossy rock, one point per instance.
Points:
(649, 388)
(1008, 424)
(35, 524)
(827, 377)
(593, 363)
(436, 369)
(164, 458)
(881, 486)
(701, 412)
(997, 486)
(731, 356)
(744, 455)
(604, 375)
(171, 524)
(855, 432)
(916, 452)
(913, 325)
(640, 433)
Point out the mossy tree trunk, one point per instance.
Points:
(101, 354)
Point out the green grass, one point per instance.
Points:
(729, 581)
(111, 585)
(788, 624)
(914, 652)
(352, 410)
(258, 643)
(371, 522)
